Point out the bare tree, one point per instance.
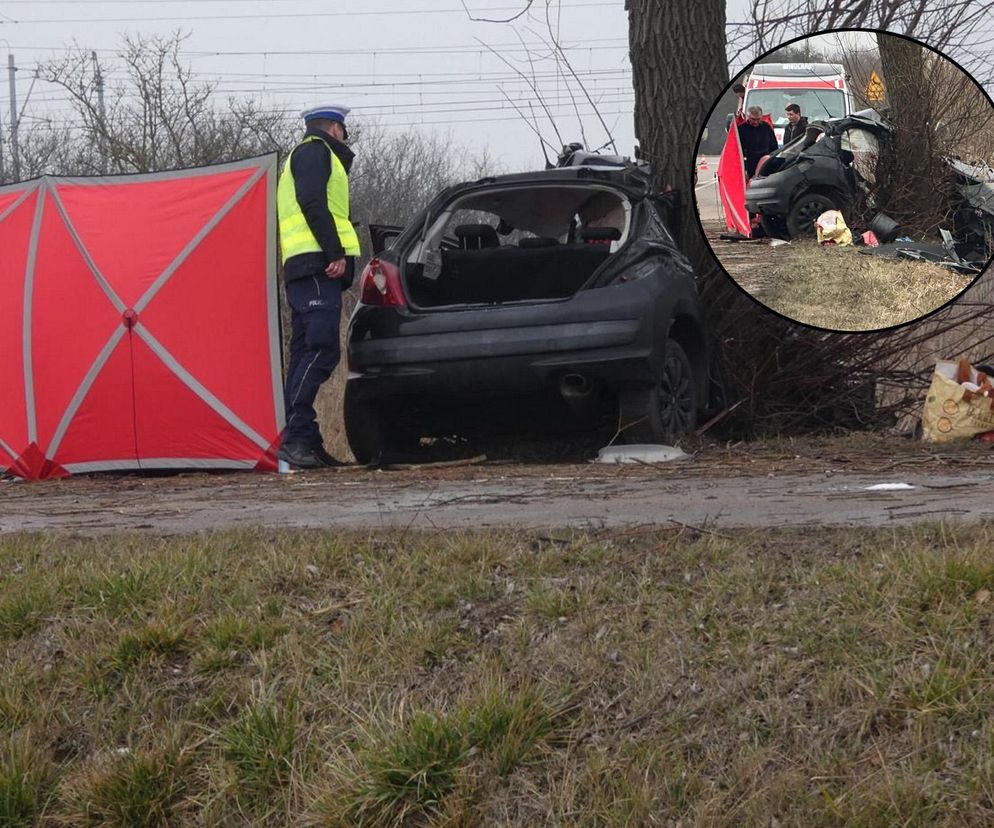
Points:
(396, 174)
(785, 376)
(911, 172)
(678, 69)
(159, 117)
(961, 27)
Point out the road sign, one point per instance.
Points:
(875, 88)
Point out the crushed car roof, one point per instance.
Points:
(867, 118)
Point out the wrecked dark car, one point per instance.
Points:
(973, 209)
(557, 296)
(833, 166)
(825, 169)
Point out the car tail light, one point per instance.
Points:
(380, 285)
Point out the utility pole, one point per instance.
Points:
(98, 82)
(15, 152)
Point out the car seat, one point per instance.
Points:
(476, 236)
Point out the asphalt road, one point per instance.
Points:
(706, 191)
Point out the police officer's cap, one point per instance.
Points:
(328, 112)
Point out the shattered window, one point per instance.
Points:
(865, 149)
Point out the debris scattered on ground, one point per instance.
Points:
(959, 403)
(440, 464)
(640, 454)
(889, 487)
(883, 227)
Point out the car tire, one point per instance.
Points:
(373, 437)
(363, 429)
(804, 211)
(668, 409)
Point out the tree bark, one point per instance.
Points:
(911, 176)
(678, 68)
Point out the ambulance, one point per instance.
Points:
(820, 89)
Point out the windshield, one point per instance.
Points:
(816, 104)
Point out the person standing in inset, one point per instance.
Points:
(757, 139)
(319, 248)
(796, 126)
(739, 116)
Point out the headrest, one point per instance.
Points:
(600, 234)
(538, 241)
(482, 234)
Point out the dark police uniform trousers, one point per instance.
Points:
(316, 311)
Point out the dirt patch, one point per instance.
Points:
(784, 482)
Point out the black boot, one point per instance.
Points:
(300, 457)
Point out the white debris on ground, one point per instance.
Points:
(640, 454)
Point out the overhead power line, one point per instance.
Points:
(504, 48)
(287, 15)
(566, 113)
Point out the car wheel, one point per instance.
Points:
(666, 411)
(373, 435)
(363, 425)
(804, 212)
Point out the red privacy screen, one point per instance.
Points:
(139, 324)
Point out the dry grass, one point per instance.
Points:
(841, 289)
(637, 677)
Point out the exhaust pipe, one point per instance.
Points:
(578, 393)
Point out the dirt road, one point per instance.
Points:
(826, 482)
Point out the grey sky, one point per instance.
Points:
(398, 62)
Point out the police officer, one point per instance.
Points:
(319, 247)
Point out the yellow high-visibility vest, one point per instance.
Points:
(295, 234)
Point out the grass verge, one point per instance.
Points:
(808, 678)
(840, 289)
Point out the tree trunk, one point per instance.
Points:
(910, 175)
(678, 69)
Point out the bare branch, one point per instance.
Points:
(511, 19)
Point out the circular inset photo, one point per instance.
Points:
(844, 180)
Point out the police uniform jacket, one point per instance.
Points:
(310, 164)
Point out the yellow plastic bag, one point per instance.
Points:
(831, 229)
(954, 410)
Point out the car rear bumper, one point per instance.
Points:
(605, 334)
(766, 200)
(481, 363)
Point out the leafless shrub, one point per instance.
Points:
(787, 378)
